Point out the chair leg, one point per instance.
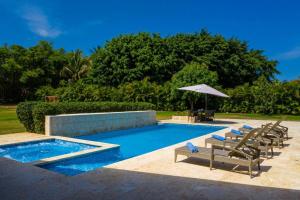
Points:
(250, 171)
(211, 163)
(258, 165)
(211, 157)
(272, 151)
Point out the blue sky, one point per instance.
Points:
(272, 26)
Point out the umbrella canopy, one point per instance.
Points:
(205, 89)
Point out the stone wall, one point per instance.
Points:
(88, 123)
(184, 119)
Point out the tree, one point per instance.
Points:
(142, 63)
(232, 59)
(76, 68)
(132, 57)
(191, 74)
(23, 70)
(41, 65)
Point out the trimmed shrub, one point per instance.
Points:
(39, 112)
(24, 113)
(41, 109)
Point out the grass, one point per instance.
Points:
(161, 115)
(9, 122)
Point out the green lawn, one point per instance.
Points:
(9, 122)
(168, 114)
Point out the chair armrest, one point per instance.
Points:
(264, 139)
(230, 149)
(275, 133)
(283, 127)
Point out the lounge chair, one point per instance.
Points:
(277, 128)
(241, 132)
(245, 129)
(283, 130)
(264, 144)
(240, 155)
(280, 130)
(272, 133)
(235, 134)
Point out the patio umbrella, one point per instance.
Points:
(205, 89)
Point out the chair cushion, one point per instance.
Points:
(218, 137)
(236, 132)
(247, 127)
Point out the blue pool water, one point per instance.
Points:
(133, 142)
(32, 151)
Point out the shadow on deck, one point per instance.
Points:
(21, 181)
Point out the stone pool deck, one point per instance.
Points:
(156, 176)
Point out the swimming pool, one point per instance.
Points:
(133, 142)
(33, 151)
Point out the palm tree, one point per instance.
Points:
(77, 67)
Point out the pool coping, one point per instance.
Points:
(99, 146)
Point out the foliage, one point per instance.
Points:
(264, 97)
(76, 68)
(76, 92)
(139, 91)
(32, 114)
(150, 68)
(25, 116)
(130, 58)
(261, 97)
(22, 70)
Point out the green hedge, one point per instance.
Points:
(24, 113)
(32, 114)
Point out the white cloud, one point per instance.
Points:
(38, 22)
(289, 55)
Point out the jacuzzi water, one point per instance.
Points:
(133, 142)
(32, 151)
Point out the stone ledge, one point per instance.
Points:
(71, 125)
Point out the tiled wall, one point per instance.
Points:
(89, 123)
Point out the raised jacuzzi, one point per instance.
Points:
(51, 149)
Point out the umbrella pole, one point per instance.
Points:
(192, 107)
(205, 102)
